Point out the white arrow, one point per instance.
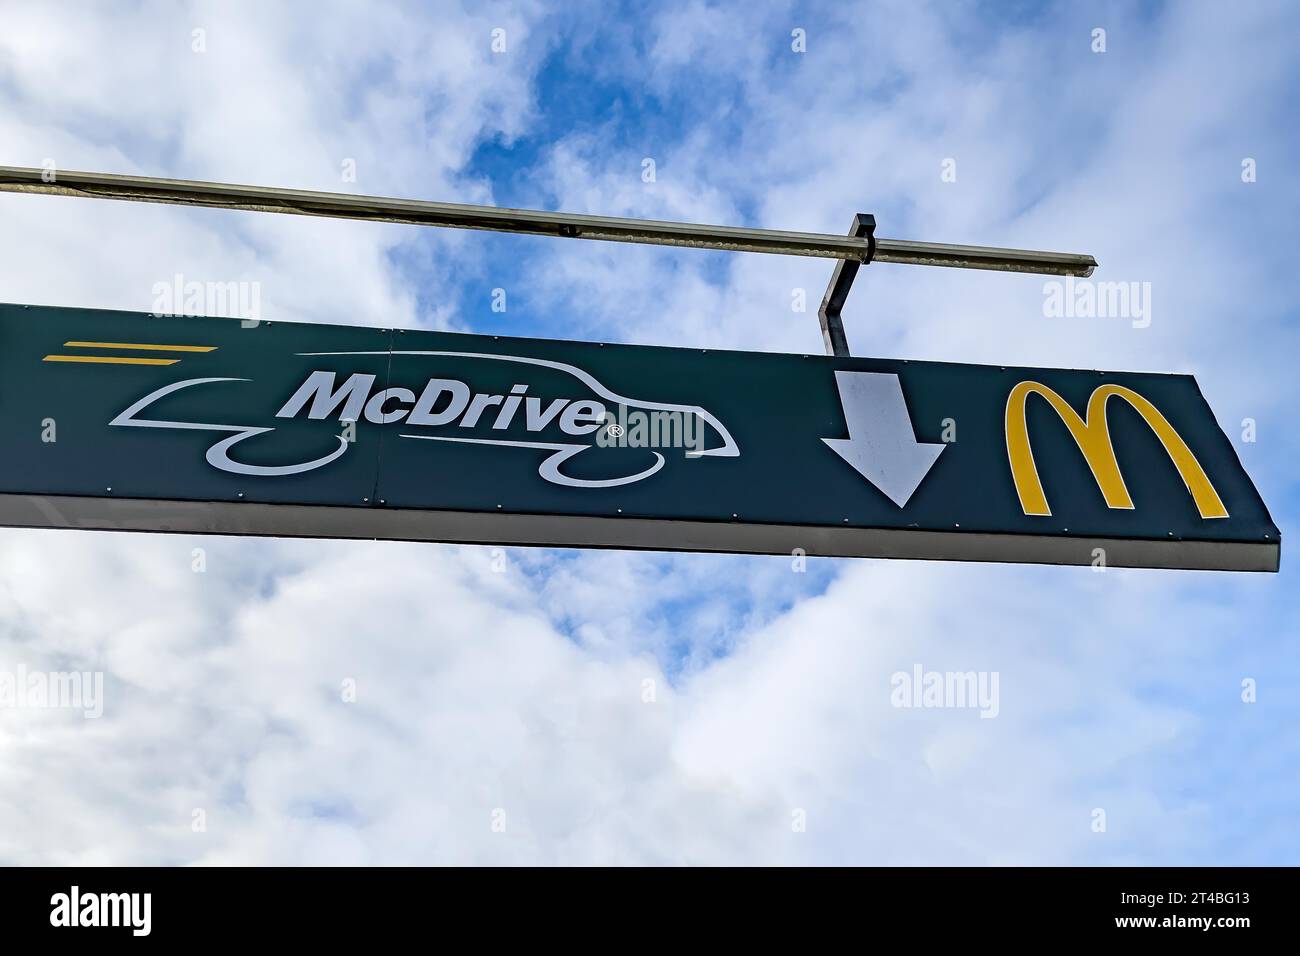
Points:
(882, 445)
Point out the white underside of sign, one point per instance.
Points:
(632, 533)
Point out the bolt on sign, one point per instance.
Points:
(128, 421)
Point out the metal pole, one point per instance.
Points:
(301, 202)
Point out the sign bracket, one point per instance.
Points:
(837, 292)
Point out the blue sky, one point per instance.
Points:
(523, 690)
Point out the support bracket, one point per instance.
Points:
(846, 270)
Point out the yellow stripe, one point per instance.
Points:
(134, 345)
(109, 360)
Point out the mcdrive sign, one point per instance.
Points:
(127, 421)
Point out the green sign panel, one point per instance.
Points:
(129, 421)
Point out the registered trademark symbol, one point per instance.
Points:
(615, 430)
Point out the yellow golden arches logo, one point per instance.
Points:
(1093, 438)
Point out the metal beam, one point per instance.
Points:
(300, 202)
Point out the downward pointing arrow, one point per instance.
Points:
(882, 445)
